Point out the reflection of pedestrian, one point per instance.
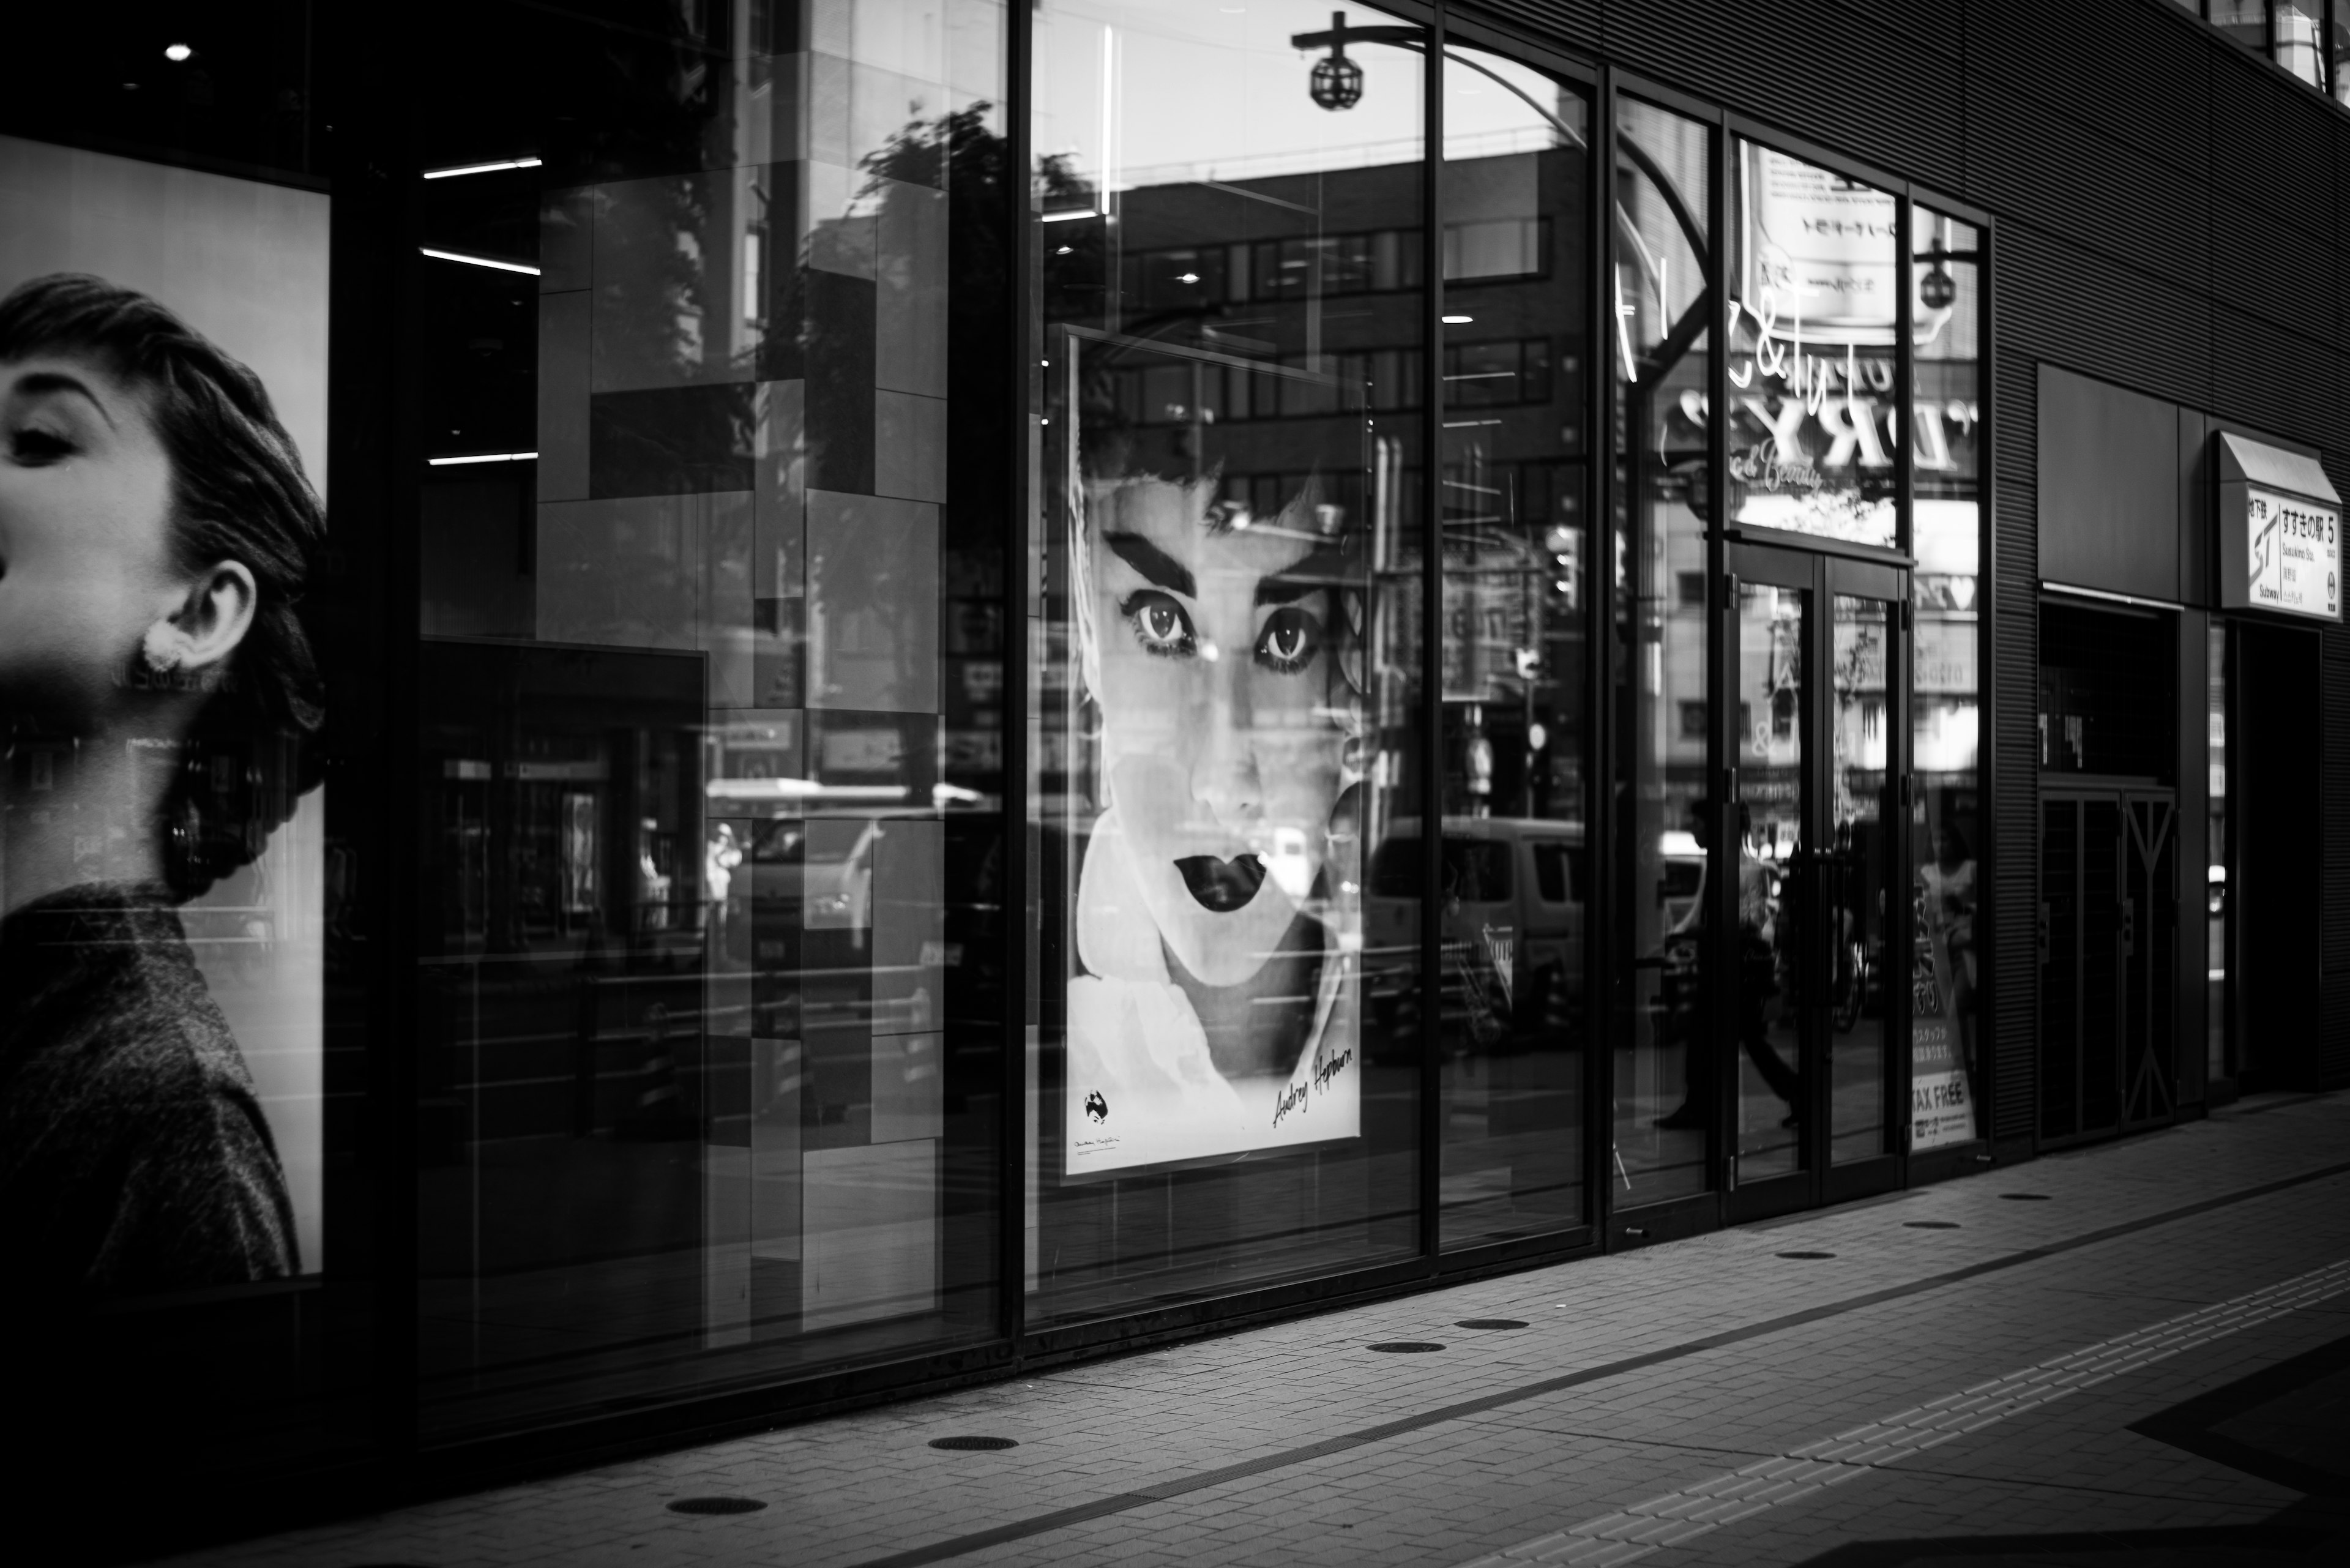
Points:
(1755, 980)
(157, 533)
(719, 857)
(1950, 885)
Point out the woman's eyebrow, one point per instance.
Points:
(1155, 563)
(41, 382)
(1310, 573)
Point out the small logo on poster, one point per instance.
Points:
(1096, 1108)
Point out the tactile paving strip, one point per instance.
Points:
(1679, 1516)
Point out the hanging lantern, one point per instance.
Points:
(1337, 81)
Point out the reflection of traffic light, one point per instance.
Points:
(1566, 547)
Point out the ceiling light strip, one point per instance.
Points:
(479, 261)
(497, 166)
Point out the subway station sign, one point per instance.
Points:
(2280, 531)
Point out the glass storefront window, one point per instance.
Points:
(2245, 21)
(1947, 819)
(710, 982)
(2297, 35)
(1516, 163)
(1813, 421)
(1660, 359)
(1224, 764)
(2337, 50)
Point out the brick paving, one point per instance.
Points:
(1295, 1445)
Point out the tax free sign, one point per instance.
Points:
(2280, 531)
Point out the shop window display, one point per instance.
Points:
(1224, 1086)
(712, 973)
(164, 837)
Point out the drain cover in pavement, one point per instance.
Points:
(1807, 1254)
(2026, 1197)
(973, 1444)
(1930, 1224)
(1490, 1323)
(1407, 1346)
(716, 1505)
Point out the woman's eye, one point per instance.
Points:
(1289, 641)
(1160, 624)
(32, 445)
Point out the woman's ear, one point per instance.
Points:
(204, 631)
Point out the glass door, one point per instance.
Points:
(1806, 910)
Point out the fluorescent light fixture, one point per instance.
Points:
(1070, 215)
(1458, 321)
(483, 457)
(478, 261)
(494, 167)
(176, 53)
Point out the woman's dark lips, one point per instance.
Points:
(1222, 885)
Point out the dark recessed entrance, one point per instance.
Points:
(2108, 917)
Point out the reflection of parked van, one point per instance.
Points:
(1682, 877)
(1514, 891)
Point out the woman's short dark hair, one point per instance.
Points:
(238, 493)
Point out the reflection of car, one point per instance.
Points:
(1682, 877)
(1514, 891)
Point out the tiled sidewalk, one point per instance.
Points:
(1295, 1445)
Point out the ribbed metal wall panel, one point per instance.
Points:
(2271, 271)
(2015, 703)
(2110, 197)
(2116, 65)
(1889, 99)
(2272, 143)
(1575, 22)
(2060, 303)
(2284, 381)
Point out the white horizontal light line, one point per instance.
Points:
(490, 167)
(1065, 217)
(478, 261)
(483, 457)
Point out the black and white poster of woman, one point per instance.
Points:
(1221, 733)
(163, 379)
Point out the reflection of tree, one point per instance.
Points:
(1074, 260)
(963, 155)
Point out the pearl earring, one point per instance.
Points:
(157, 657)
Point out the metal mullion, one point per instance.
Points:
(1987, 616)
(396, 1403)
(1602, 939)
(1720, 953)
(1899, 802)
(1599, 870)
(1019, 948)
(1900, 785)
(1431, 644)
